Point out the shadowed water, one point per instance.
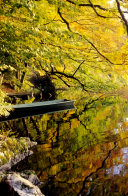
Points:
(79, 152)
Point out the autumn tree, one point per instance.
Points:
(81, 44)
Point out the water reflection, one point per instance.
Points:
(83, 152)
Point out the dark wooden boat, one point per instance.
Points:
(37, 108)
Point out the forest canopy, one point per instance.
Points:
(77, 43)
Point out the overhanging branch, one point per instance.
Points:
(122, 16)
(87, 5)
(99, 52)
(78, 67)
(94, 8)
(71, 77)
(64, 20)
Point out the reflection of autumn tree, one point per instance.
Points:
(89, 124)
(74, 144)
(112, 178)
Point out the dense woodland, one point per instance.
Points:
(47, 45)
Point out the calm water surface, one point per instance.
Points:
(79, 152)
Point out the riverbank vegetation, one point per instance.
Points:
(78, 45)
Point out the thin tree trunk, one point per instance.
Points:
(23, 75)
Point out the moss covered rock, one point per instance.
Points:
(13, 150)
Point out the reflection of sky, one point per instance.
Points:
(124, 152)
(122, 8)
(119, 124)
(115, 131)
(121, 168)
(116, 170)
(126, 119)
(120, 127)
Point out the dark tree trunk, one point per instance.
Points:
(23, 75)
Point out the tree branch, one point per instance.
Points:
(78, 67)
(71, 77)
(93, 7)
(65, 21)
(64, 81)
(99, 52)
(122, 16)
(87, 5)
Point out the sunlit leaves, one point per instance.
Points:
(57, 36)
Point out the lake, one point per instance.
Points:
(80, 152)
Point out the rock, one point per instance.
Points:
(14, 150)
(15, 185)
(19, 157)
(31, 176)
(34, 180)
